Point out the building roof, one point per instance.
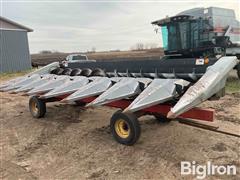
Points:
(14, 24)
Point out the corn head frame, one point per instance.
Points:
(165, 98)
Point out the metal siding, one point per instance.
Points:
(14, 51)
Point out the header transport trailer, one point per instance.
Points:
(168, 88)
(136, 96)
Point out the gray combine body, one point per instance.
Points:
(201, 32)
(220, 19)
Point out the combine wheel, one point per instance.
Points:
(162, 119)
(67, 71)
(125, 128)
(37, 107)
(76, 72)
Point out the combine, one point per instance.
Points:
(193, 40)
(194, 70)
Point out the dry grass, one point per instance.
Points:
(233, 85)
(107, 55)
(6, 76)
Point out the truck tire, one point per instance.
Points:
(76, 72)
(37, 107)
(125, 128)
(67, 71)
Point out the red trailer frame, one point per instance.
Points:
(201, 114)
(125, 127)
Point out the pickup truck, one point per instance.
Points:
(76, 58)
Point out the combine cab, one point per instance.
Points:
(201, 34)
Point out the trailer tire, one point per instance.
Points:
(161, 118)
(37, 107)
(80, 103)
(125, 128)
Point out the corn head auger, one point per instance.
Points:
(136, 96)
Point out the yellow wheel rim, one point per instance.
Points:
(122, 128)
(34, 107)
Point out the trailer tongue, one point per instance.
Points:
(170, 98)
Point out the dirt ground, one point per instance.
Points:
(75, 143)
(107, 55)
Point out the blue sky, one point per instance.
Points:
(71, 26)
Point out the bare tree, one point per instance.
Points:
(45, 52)
(139, 46)
(93, 49)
